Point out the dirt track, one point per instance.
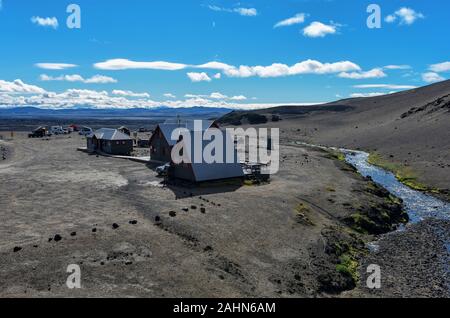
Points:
(249, 242)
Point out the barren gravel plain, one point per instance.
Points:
(134, 237)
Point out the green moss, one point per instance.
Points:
(348, 266)
(336, 154)
(404, 174)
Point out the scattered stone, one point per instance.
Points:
(157, 219)
(50, 239)
(185, 209)
(57, 238)
(172, 214)
(17, 249)
(208, 248)
(115, 226)
(133, 222)
(94, 230)
(128, 262)
(73, 234)
(193, 207)
(203, 210)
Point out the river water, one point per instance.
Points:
(418, 205)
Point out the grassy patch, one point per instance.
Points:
(302, 212)
(336, 154)
(348, 266)
(404, 174)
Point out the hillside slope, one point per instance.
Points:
(410, 129)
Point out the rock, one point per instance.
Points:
(57, 238)
(157, 219)
(172, 214)
(115, 226)
(17, 249)
(185, 209)
(203, 210)
(193, 207)
(133, 222)
(73, 234)
(94, 230)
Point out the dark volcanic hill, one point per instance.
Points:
(410, 129)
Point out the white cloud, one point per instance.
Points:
(390, 18)
(218, 95)
(359, 95)
(374, 73)
(441, 67)
(304, 67)
(397, 67)
(319, 30)
(297, 19)
(55, 66)
(274, 70)
(96, 79)
(249, 12)
(19, 87)
(385, 86)
(45, 22)
(74, 98)
(124, 64)
(130, 94)
(238, 97)
(432, 77)
(199, 77)
(407, 16)
(169, 95)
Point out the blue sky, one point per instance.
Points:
(243, 54)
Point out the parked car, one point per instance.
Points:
(85, 131)
(57, 130)
(38, 133)
(163, 170)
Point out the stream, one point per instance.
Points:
(418, 205)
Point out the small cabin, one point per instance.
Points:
(110, 141)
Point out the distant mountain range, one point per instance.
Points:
(84, 113)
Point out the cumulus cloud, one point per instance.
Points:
(96, 79)
(124, 64)
(406, 16)
(374, 73)
(297, 19)
(319, 30)
(169, 95)
(199, 77)
(55, 66)
(19, 87)
(440, 67)
(120, 99)
(385, 86)
(304, 67)
(274, 70)
(432, 77)
(45, 22)
(130, 93)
